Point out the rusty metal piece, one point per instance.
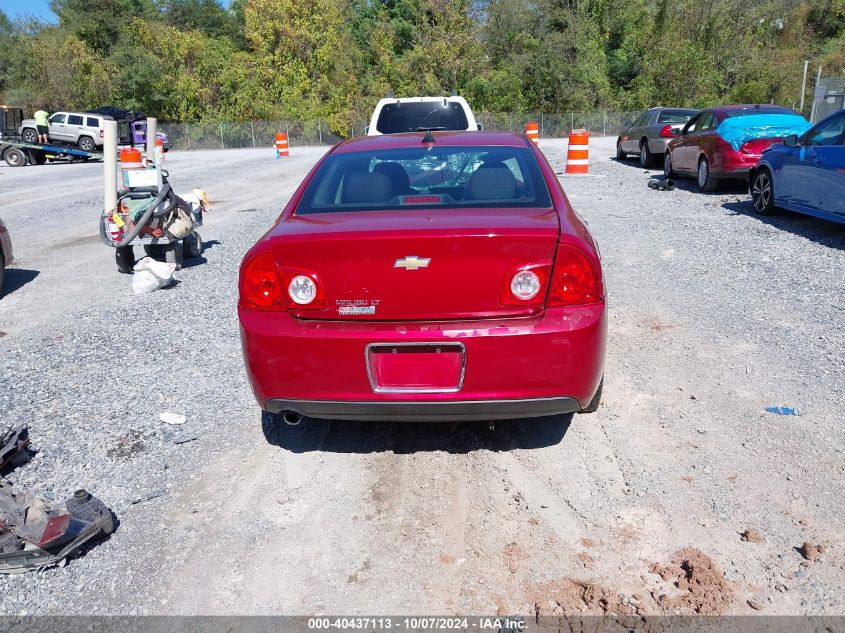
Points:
(34, 535)
(13, 445)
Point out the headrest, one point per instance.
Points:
(492, 183)
(361, 187)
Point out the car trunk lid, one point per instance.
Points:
(443, 264)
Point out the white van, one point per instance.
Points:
(394, 116)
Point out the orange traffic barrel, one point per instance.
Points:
(577, 153)
(532, 131)
(281, 144)
(130, 158)
(159, 150)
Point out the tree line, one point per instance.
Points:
(196, 60)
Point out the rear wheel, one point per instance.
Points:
(125, 258)
(667, 166)
(30, 136)
(763, 193)
(15, 157)
(594, 403)
(620, 155)
(193, 246)
(2, 273)
(86, 144)
(706, 181)
(646, 157)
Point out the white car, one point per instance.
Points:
(409, 114)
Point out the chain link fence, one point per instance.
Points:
(230, 135)
(829, 97)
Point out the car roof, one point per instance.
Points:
(444, 139)
(749, 106)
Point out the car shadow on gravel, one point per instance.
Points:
(725, 188)
(822, 232)
(412, 437)
(17, 278)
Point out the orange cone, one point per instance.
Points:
(532, 131)
(159, 150)
(281, 145)
(578, 152)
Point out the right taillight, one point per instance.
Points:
(260, 287)
(575, 279)
(666, 132)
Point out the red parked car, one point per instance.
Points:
(477, 295)
(726, 142)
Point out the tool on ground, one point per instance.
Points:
(662, 184)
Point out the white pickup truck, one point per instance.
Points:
(409, 114)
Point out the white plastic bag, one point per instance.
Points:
(151, 275)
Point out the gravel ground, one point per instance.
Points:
(715, 314)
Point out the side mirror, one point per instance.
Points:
(791, 140)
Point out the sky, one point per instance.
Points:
(38, 8)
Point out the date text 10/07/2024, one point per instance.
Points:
(418, 623)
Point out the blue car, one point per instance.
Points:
(804, 174)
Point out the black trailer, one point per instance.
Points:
(19, 154)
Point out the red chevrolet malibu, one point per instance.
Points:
(428, 277)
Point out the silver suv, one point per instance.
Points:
(649, 135)
(75, 128)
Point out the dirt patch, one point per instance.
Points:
(128, 445)
(752, 535)
(570, 597)
(514, 554)
(628, 534)
(657, 326)
(704, 588)
(446, 559)
(811, 552)
(587, 542)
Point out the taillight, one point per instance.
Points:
(265, 287)
(666, 132)
(574, 279)
(304, 291)
(102, 132)
(526, 286)
(259, 286)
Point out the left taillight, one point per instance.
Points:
(102, 133)
(259, 286)
(575, 279)
(526, 286)
(666, 132)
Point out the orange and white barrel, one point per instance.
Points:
(578, 152)
(281, 145)
(159, 150)
(532, 131)
(130, 158)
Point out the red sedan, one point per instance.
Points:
(477, 295)
(724, 143)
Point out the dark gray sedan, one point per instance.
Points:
(648, 136)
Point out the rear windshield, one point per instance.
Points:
(395, 118)
(412, 178)
(675, 116)
(758, 110)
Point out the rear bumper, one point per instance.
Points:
(452, 411)
(658, 145)
(521, 367)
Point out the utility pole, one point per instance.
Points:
(816, 95)
(803, 85)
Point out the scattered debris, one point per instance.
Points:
(178, 437)
(783, 410)
(13, 445)
(811, 552)
(706, 592)
(147, 497)
(172, 418)
(752, 535)
(34, 535)
(127, 445)
(755, 605)
(661, 184)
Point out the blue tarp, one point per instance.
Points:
(740, 129)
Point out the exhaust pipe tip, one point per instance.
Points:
(291, 418)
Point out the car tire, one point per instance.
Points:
(594, 403)
(646, 157)
(763, 192)
(15, 157)
(706, 182)
(668, 172)
(30, 136)
(620, 155)
(86, 144)
(2, 273)
(125, 258)
(193, 246)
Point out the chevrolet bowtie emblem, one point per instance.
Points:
(412, 262)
